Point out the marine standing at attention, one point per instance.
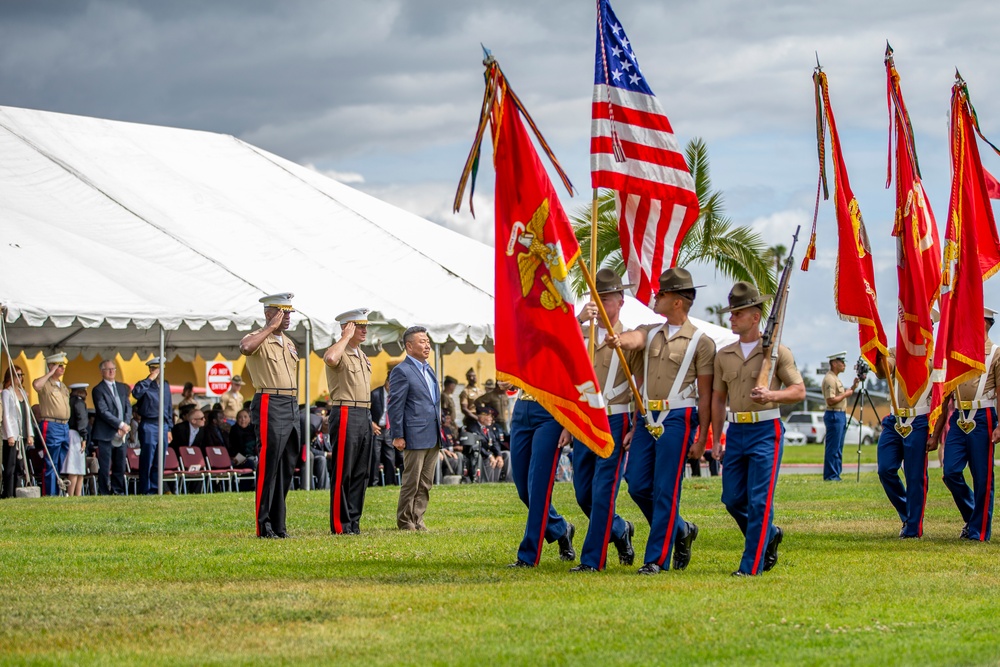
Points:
(273, 364)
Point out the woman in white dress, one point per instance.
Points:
(15, 427)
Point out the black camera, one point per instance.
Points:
(861, 369)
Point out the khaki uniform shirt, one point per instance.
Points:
(967, 390)
(232, 403)
(54, 400)
(602, 363)
(832, 386)
(738, 376)
(665, 356)
(351, 379)
(274, 365)
(469, 396)
(901, 400)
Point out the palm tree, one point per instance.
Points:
(737, 252)
(776, 253)
(716, 312)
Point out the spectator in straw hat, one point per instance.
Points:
(232, 400)
(53, 399)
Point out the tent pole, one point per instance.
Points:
(160, 451)
(307, 462)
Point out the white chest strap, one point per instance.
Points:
(608, 390)
(968, 417)
(675, 390)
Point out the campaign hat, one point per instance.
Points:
(744, 295)
(608, 282)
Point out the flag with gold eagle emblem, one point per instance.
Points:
(538, 343)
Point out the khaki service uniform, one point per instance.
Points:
(835, 421)
(53, 399)
(351, 436)
(671, 364)
(754, 443)
(274, 412)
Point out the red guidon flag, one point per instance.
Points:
(918, 251)
(971, 255)
(538, 342)
(854, 280)
(633, 151)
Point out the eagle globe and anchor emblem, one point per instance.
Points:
(555, 292)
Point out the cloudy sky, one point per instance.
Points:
(384, 95)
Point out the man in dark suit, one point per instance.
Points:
(415, 427)
(191, 432)
(112, 416)
(382, 451)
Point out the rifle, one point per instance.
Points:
(776, 320)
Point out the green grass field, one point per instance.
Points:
(181, 580)
(814, 454)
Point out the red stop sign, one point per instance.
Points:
(219, 378)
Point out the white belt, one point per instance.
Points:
(753, 417)
(676, 404)
(905, 413)
(620, 409)
(975, 405)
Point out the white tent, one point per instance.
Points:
(111, 230)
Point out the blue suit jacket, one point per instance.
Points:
(106, 412)
(413, 409)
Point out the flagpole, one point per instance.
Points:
(607, 325)
(591, 346)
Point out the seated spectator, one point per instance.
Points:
(448, 397)
(450, 456)
(215, 420)
(187, 396)
(242, 445)
(481, 449)
(190, 432)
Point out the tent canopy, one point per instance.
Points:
(110, 229)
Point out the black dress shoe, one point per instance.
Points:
(626, 554)
(268, 534)
(964, 535)
(771, 554)
(583, 568)
(682, 546)
(649, 568)
(737, 573)
(520, 563)
(283, 535)
(566, 551)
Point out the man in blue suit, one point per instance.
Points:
(415, 427)
(112, 416)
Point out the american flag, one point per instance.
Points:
(634, 152)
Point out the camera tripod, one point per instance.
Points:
(859, 399)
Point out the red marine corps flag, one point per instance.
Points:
(918, 252)
(538, 342)
(854, 282)
(971, 255)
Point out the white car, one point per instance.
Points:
(793, 437)
(810, 425)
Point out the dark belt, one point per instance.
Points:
(278, 391)
(351, 404)
(57, 421)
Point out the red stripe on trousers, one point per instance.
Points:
(611, 507)
(677, 484)
(770, 499)
(45, 440)
(548, 501)
(989, 478)
(338, 527)
(261, 457)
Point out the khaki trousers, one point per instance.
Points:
(415, 489)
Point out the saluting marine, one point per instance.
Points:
(349, 377)
(273, 363)
(972, 436)
(678, 364)
(53, 399)
(756, 436)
